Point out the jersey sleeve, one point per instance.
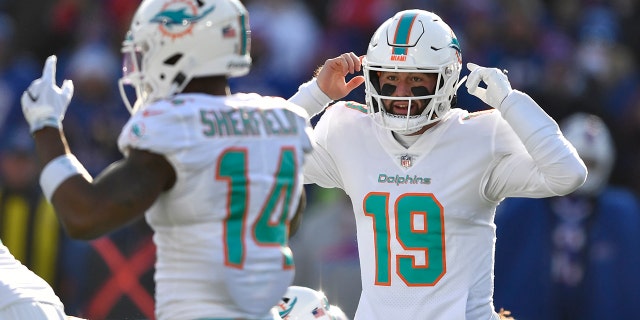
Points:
(320, 168)
(302, 122)
(160, 128)
(533, 157)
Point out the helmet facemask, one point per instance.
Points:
(166, 81)
(436, 104)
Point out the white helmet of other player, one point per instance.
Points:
(302, 303)
(415, 41)
(171, 42)
(592, 139)
(337, 313)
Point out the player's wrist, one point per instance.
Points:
(44, 122)
(501, 103)
(311, 97)
(59, 170)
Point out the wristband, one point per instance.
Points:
(45, 122)
(58, 170)
(310, 97)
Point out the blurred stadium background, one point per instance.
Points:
(570, 55)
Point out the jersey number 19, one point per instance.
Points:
(419, 228)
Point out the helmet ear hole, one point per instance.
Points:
(171, 61)
(454, 101)
(375, 82)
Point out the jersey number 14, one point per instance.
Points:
(265, 232)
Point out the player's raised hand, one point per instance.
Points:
(498, 86)
(44, 103)
(331, 77)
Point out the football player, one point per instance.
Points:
(24, 294)
(582, 246)
(218, 176)
(425, 176)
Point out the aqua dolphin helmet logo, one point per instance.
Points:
(287, 307)
(455, 44)
(178, 16)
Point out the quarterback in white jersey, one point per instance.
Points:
(23, 294)
(424, 178)
(218, 176)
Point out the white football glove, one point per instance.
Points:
(498, 86)
(44, 103)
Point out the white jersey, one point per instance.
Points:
(222, 231)
(18, 284)
(424, 214)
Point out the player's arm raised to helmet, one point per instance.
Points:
(118, 196)
(332, 76)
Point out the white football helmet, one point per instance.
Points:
(172, 41)
(413, 41)
(302, 303)
(592, 139)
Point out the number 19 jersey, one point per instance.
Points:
(424, 214)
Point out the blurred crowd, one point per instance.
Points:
(569, 55)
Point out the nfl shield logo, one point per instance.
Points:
(405, 161)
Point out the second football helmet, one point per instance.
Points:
(416, 41)
(302, 303)
(172, 41)
(592, 139)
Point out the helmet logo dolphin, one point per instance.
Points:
(177, 16)
(287, 307)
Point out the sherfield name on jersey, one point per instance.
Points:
(242, 122)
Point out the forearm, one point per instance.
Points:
(554, 156)
(50, 143)
(310, 97)
(85, 209)
(88, 210)
(70, 203)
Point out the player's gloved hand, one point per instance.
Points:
(498, 86)
(44, 103)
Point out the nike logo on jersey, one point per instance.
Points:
(149, 113)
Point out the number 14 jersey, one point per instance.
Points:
(222, 231)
